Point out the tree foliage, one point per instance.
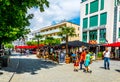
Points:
(51, 41)
(14, 18)
(8, 45)
(65, 33)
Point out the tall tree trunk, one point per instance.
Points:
(38, 43)
(66, 44)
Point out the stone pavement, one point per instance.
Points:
(9, 71)
(32, 69)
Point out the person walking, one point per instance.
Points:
(88, 61)
(27, 52)
(106, 55)
(82, 58)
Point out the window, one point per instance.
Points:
(119, 33)
(102, 5)
(93, 35)
(102, 36)
(86, 9)
(94, 6)
(85, 22)
(103, 18)
(83, 0)
(94, 21)
(119, 16)
(84, 37)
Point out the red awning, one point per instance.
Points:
(25, 47)
(29, 47)
(114, 44)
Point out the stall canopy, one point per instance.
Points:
(114, 44)
(74, 44)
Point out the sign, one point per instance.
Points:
(92, 41)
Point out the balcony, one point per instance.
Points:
(50, 32)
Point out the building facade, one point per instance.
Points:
(100, 21)
(52, 31)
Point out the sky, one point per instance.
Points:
(59, 10)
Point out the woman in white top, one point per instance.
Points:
(106, 55)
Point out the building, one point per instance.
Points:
(51, 31)
(32, 34)
(100, 21)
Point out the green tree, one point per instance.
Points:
(38, 37)
(65, 33)
(31, 43)
(14, 18)
(49, 40)
(8, 45)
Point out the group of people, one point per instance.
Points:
(86, 59)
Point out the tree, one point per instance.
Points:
(38, 37)
(8, 45)
(14, 18)
(66, 32)
(51, 41)
(31, 43)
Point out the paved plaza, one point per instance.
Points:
(32, 69)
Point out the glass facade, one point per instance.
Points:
(119, 33)
(83, 0)
(94, 21)
(94, 6)
(93, 35)
(85, 23)
(103, 18)
(84, 38)
(102, 36)
(102, 5)
(86, 9)
(119, 16)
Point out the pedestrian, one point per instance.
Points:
(62, 56)
(88, 61)
(106, 55)
(27, 52)
(73, 57)
(82, 58)
(76, 65)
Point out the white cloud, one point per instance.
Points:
(58, 11)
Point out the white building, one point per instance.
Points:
(100, 20)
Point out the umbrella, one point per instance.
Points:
(114, 44)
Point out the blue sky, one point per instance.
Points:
(58, 11)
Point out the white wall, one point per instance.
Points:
(109, 8)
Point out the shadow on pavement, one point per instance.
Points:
(117, 70)
(102, 67)
(29, 65)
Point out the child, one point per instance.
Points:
(76, 65)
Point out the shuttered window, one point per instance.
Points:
(94, 6)
(103, 18)
(94, 21)
(85, 23)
